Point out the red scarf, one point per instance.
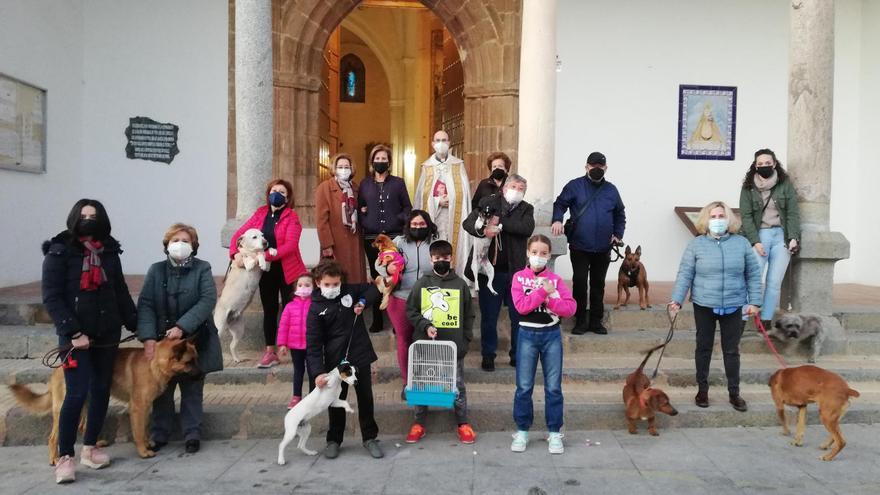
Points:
(92, 273)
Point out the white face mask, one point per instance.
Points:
(179, 250)
(538, 261)
(513, 196)
(331, 292)
(441, 147)
(343, 173)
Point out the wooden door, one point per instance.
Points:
(329, 103)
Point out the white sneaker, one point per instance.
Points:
(520, 441)
(555, 442)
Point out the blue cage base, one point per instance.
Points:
(431, 398)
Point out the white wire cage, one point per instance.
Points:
(432, 373)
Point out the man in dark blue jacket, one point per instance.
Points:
(598, 221)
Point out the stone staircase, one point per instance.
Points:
(245, 402)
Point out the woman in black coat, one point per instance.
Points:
(85, 293)
(176, 302)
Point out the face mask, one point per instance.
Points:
(419, 234)
(179, 250)
(380, 167)
(87, 226)
(499, 174)
(538, 261)
(331, 292)
(441, 147)
(277, 199)
(596, 174)
(441, 267)
(765, 172)
(343, 173)
(513, 196)
(304, 291)
(718, 226)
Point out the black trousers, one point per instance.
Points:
(298, 356)
(731, 333)
(192, 397)
(271, 285)
(372, 254)
(364, 392)
(593, 266)
(90, 380)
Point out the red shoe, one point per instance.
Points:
(415, 433)
(294, 401)
(268, 360)
(466, 434)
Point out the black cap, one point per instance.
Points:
(596, 158)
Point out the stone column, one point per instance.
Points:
(810, 104)
(253, 107)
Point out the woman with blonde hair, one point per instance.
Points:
(722, 274)
(336, 216)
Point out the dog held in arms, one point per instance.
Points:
(632, 274)
(488, 218)
(389, 264)
(135, 381)
(240, 286)
(807, 384)
(641, 401)
(296, 422)
(792, 330)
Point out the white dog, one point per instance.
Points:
(296, 422)
(240, 286)
(480, 261)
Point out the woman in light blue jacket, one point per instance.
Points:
(720, 270)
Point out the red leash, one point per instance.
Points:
(769, 342)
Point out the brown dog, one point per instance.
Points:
(641, 401)
(807, 384)
(391, 262)
(632, 274)
(135, 381)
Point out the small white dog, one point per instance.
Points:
(240, 286)
(480, 261)
(296, 422)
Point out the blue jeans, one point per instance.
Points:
(776, 261)
(490, 308)
(546, 344)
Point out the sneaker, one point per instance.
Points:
(93, 457)
(268, 360)
(466, 434)
(555, 442)
(520, 441)
(488, 363)
(702, 398)
(416, 432)
(331, 451)
(294, 401)
(374, 448)
(65, 470)
(738, 403)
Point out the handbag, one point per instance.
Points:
(571, 223)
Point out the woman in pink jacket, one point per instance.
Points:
(542, 298)
(282, 229)
(292, 334)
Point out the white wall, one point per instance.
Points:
(166, 60)
(41, 43)
(618, 93)
(866, 269)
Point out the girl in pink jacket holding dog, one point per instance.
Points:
(542, 298)
(292, 334)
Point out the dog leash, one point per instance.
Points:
(616, 249)
(668, 340)
(53, 358)
(769, 342)
(351, 335)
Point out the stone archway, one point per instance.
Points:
(488, 37)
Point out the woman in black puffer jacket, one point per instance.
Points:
(85, 293)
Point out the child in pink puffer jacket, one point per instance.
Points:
(292, 334)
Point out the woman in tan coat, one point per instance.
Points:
(336, 218)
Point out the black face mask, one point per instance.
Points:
(419, 234)
(765, 172)
(498, 174)
(87, 226)
(441, 267)
(596, 174)
(380, 167)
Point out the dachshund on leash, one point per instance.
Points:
(641, 401)
(632, 274)
(389, 264)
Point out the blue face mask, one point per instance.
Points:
(718, 226)
(277, 199)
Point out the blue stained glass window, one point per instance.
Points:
(352, 76)
(351, 84)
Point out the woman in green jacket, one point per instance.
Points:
(176, 302)
(771, 222)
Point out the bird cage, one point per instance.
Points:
(432, 370)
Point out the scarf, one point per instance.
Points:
(92, 273)
(349, 205)
(765, 185)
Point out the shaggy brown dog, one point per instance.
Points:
(135, 381)
(807, 384)
(641, 401)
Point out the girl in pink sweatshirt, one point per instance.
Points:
(292, 334)
(542, 298)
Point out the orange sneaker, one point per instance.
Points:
(415, 433)
(466, 434)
